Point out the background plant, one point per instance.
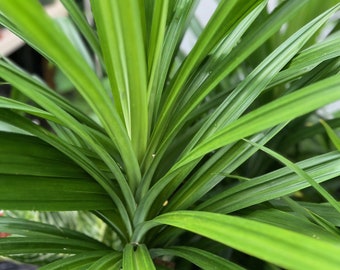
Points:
(161, 158)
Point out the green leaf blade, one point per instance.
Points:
(283, 109)
(137, 257)
(201, 258)
(276, 245)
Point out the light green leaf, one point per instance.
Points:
(137, 257)
(17, 105)
(110, 261)
(183, 10)
(124, 55)
(270, 243)
(331, 134)
(155, 44)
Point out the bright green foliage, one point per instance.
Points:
(217, 157)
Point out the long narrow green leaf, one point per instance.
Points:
(182, 10)
(73, 194)
(10, 74)
(324, 210)
(27, 228)
(308, 59)
(226, 116)
(241, 98)
(106, 21)
(129, 257)
(80, 20)
(310, 215)
(176, 123)
(111, 261)
(28, 245)
(331, 134)
(125, 58)
(228, 43)
(155, 54)
(225, 161)
(137, 257)
(201, 258)
(204, 81)
(76, 189)
(34, 83)
(77, 262)
(279, 246)
(73, 153)
(205, 178)
(278, 17)
(273, 185)
(323, 192)
(281, 110)
(143, 258)
(291, 222)
(159, 17)
(252, 41)
(17, 105)
(218, 26)
(42, 33)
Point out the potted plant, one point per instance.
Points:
(170, 154)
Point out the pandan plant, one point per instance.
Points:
(214, 159)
